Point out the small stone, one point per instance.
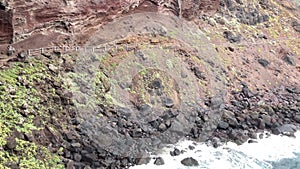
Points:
(261, 124)
(159, 161)
(191, 147)
(183, 74)
(231, 37)
(212, 22)
(11, 143)
(253, 135)
(289, 60)
(175, 152)
(89, 157)
(21, 55)
(156, 84)
(293, 90)
(252, 141)
(143, 161)
(136, 132)
(267, 119)
(199, 74)
(223, 125)
(263, 62)
(296, 26)
(216, 102)
(297, 118)
(221, 20)
(10, 50)
(231, 49)
(286, 129)
(67, 154)
(246, 91)
(12, 91)
(77, 157)
(168, 123)
(140, 54)
(70, 165)
(53, 68)
(162, 127)
(76, 145)
(189, 162)
(169, 103)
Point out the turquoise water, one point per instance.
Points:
(287, 163)
(271, 152)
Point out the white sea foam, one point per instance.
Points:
(231, 156)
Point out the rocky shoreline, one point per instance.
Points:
(246, 113)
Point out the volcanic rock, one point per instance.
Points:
(175, 152)
(289, 60)
(223, 125)
(286, 129)
(263, 62)
(159, 161)
(58, 20)
(190, 161)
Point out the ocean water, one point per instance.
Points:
(270, 152)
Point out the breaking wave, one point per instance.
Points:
(267, 152)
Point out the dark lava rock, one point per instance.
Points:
(76, 145)
(169, 103)
(10, 50)
(267, 119)
(246, 91)
(77, 157)
(183, 74)
(231, 49)
(191, 147)
(293, 90)
(231, 37)
(90, 158)
(11, 143)
(223, 125)
(289, 60)
(297, 118)
(175, 152)
(159, 161)
(156, 84)
(136, 133)
(190, 161)
(296, 26)
(252, 141)
(143, 161)
(21, 55)
(216, 102)
(286, 129)
(198, 73)
(140, 54)
(263, 62)
(162, 127)
(70, 165)
(261, 124)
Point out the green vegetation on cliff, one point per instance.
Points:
(20, 110)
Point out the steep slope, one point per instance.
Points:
(142, 80)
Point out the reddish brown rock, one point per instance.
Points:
(6, 29)
(190, 9)
(40, 23)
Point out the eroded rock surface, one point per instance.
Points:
(39, 23)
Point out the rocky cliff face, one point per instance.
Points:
(39, 23)
(6, 28)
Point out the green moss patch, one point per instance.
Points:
(20, 106)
